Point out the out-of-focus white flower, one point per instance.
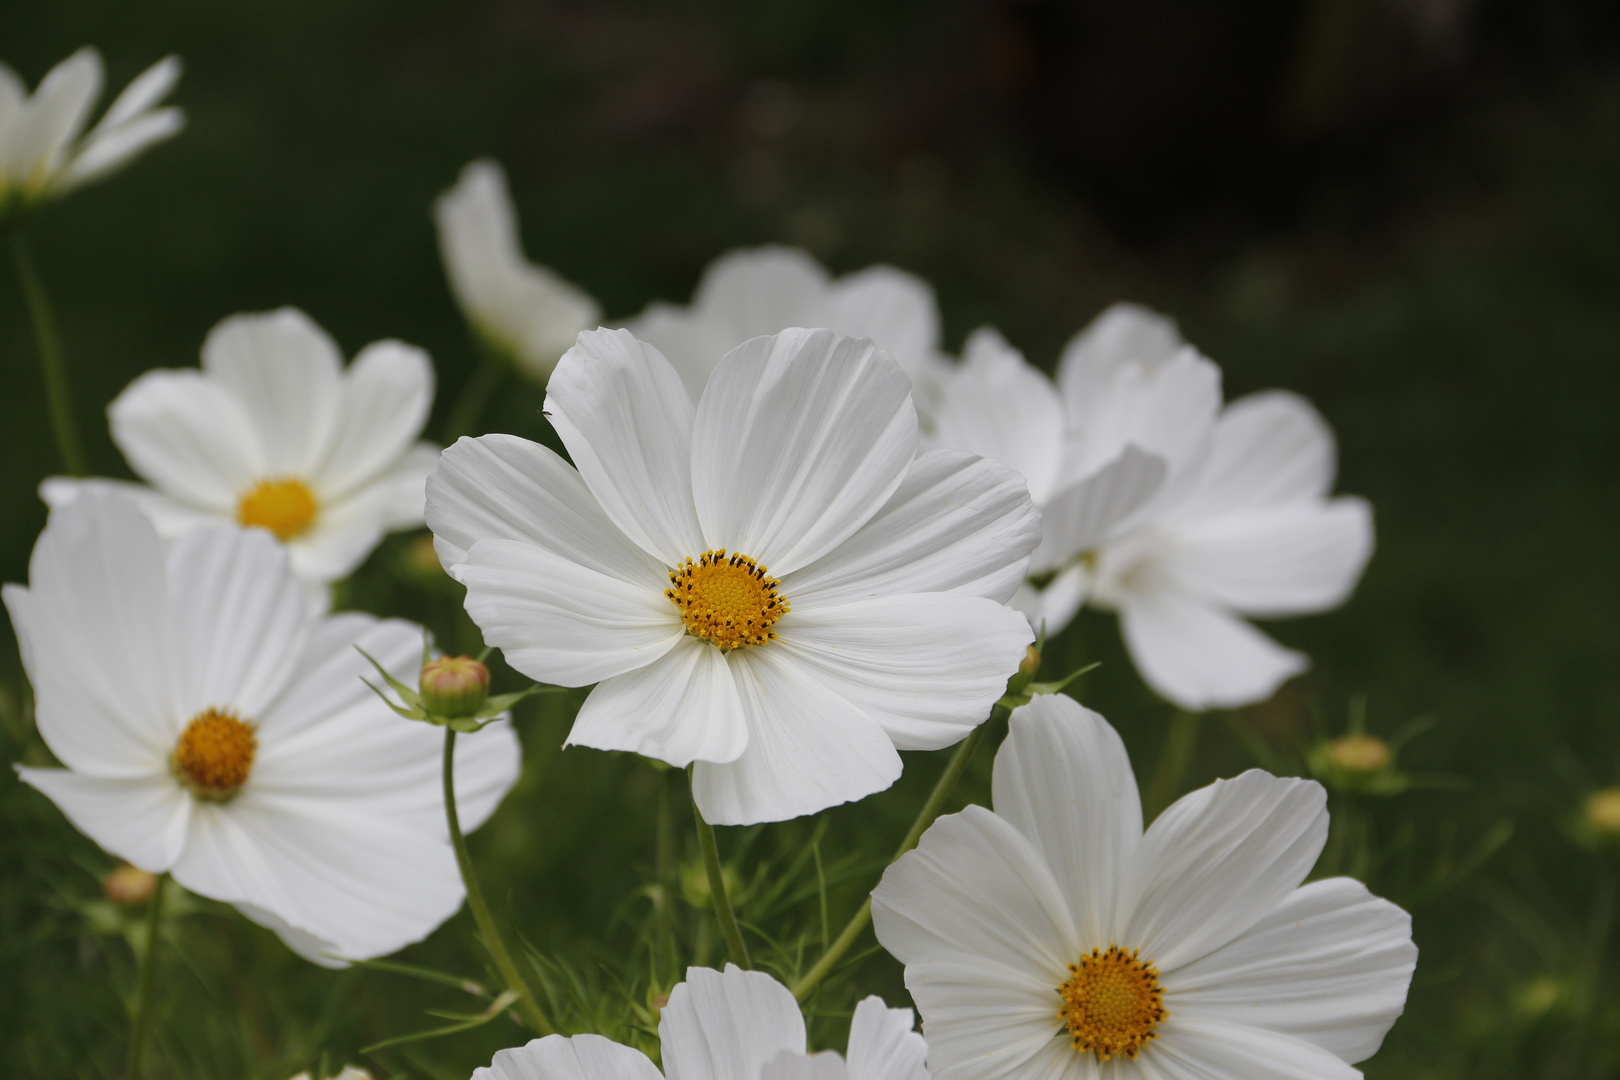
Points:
(1161, 505)
(773, 584)
(273, 432)
(44, 149)
(1053, 938)
(522, 311)
(740, 1025)
(350, 1072)
(216, 728)
(755, 291)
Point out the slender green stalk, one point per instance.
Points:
(1170, 771)
(667, 873)
(141, 1021)
(475, 394)
(717, 889)
(526, 1003)
(925, 817)
(58, 398)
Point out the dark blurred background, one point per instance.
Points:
(1407, 210)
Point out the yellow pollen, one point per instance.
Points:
(1112, 1003)
(284, 506)
(727, 599)
(214, 754)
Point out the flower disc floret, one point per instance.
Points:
(285, 506)
(729, 600)
(1112, 1003)
(215, 754)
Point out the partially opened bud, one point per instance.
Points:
(129, 886)
(454, 686)
(1359, 755)
(1027, 670)
(1603, 811)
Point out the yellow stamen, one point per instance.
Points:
(728, 600)
(1112, 1003)
(214, 754)
(284, 506)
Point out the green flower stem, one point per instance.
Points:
(717, 888)
(475, 394)
(141, 1020)
(1170, 771)
(526, 1003)
(925, 817)
(53, 366)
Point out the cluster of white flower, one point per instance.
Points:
(771, 572)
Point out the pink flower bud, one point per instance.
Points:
(129, 886)
(454, 686)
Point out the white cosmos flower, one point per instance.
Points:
(274, 432)
(522, 311)
(216, 728)
(855, 606)
(44, 150)
(1161, 505)
(740, 1025)
(754, 291)
(1053, 939)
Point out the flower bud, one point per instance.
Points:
(1603, 811)
(129, 886)
(1027, 669)
(1359, 755)
(454, 686)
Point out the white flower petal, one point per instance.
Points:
(186, 435)
(1210, 1050)
(384, 398)
(986, 1021)
(1169, 411)
(560, 622)
(333, 867)
(95, 630)
(893, 308)
(999, 405)
(140, 819)
(169, 516)
(692, 346)
(727, 1026)
(799, 440)
(882, 1044)
(404, 487)
(926, 667)
(330, 720)
(1216, 862)
(49, 122)
(808, 748)
(1330, 965)
(341, 536)
(957, 523)
(1122, 334)
(975, 892)
(579, 1057)
(240, 619)
(144, 91)
(1200, 657)
(683, 707)
(627, 422)
(1270, 449)
(1085, 515)
(520, 308)
(108, 149)
(1056, 605)
(501, 487)
(285, 371)
(1283, 560)
(1063, 779)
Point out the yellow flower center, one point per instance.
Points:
(214, 754)
(728, 600)
(1112, 1003)
(284, 506)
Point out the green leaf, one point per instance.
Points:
(496, 1007)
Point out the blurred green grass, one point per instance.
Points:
(1462, 341)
